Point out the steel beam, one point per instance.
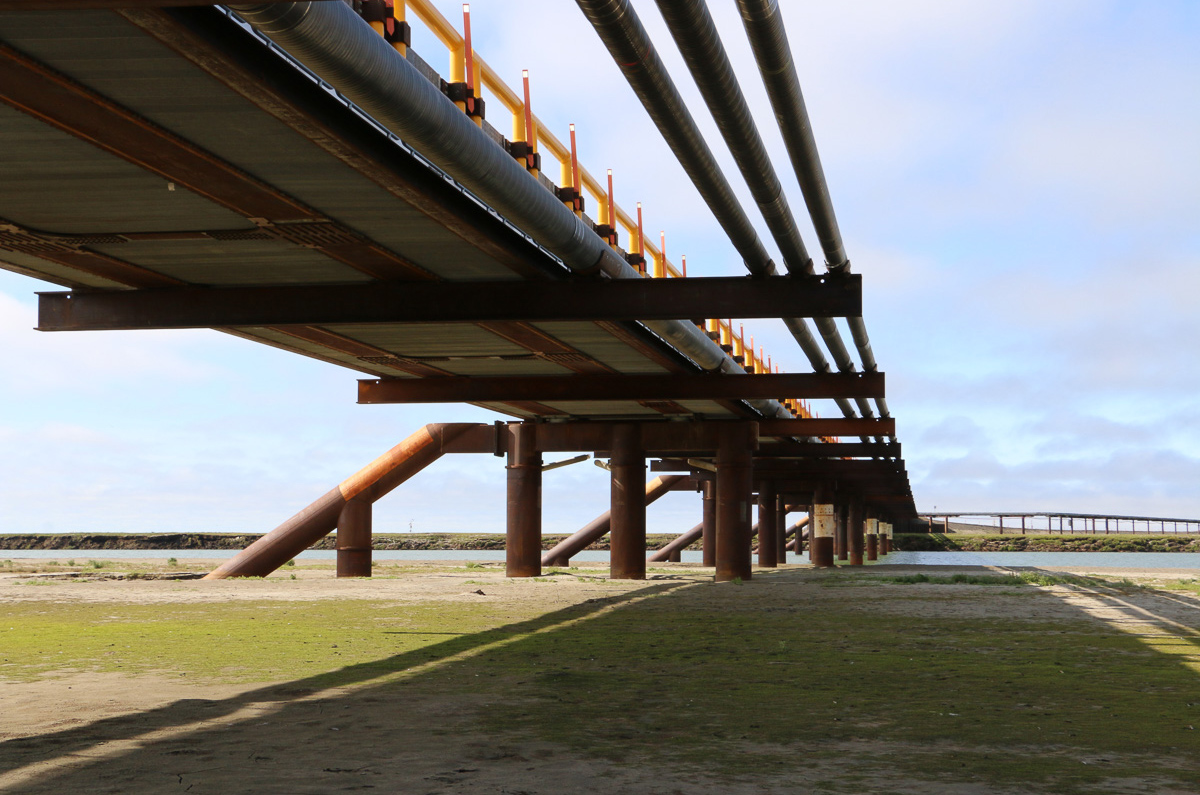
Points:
(829, 450)
(852, 426)
(466, 389)
(450, 302)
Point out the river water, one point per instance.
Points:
(1048, 560)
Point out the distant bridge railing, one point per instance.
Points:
(1056, 523)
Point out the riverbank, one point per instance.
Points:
(1124, 542)
(442, 678)
(381, 541)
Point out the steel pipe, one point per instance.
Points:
(523, 538)
(734, 492)
(856, 531)
(768, 529)
(677, 545)
(370, 483)
(340, 47)
(821, 538)
(768, 39)
(708, 522)
(564, 550)
(354, 539)
(627, 528)
(630, 46)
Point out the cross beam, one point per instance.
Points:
(445, 302)
(464, 389)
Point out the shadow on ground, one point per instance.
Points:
(795, 681)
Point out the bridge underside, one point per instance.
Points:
(172, 148)
(174, 169)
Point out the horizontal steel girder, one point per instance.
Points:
(829, 450)
(434, 302)
(75, 5)
(820, 426)
(466, 389)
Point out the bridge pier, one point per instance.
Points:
(768, 528)
(872, 538)
(354, 539)
(823, 528)
(855, 531)
(842, 539)
(708, 522)
(523, 542)
(627, 528)
(781, 529)
(734, 493)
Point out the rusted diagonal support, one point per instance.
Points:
(572, 545)
(319, 519)
(682, 542)
(796, 534)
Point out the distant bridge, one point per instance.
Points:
(294, 174)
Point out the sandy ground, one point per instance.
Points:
(107, 732)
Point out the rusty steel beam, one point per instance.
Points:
(829, 450)
(320, 518)
(853, 426)
(564, 550)
(466, 389)
(768, 528)
(449, 302)
(677, 545)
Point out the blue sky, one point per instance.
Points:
(1018, 183)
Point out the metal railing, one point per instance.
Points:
(1046, 521)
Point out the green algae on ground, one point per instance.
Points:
(698, 679)
(241, 641)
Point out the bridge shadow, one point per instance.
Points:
(637, 683)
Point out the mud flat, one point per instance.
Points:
(441, 678)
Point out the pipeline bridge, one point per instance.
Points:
(296, 174)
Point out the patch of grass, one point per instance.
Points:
(172, 562)
(241, 642)
(97, 564)
(291, 562)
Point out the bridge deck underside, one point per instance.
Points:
(364, 207)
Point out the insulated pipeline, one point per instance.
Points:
(630, 46)
(339, 46)
(768, 39)
(696, 35)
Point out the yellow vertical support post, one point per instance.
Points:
(610, 214)
(660, 265)
(530, 129)
(683, 264)
(575, 175)
(471, 75)
(399, 15)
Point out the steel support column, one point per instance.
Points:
(781, 529)
(841, 542)
(354, 539)
(768, 528)
(708, 522)
(523, 557)
(855, 531)
(627, 528)
(872, 538)
(823, 527)
(735, 491)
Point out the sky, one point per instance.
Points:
(1017, 182)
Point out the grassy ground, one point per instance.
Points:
(843, 680)
(1014, 542)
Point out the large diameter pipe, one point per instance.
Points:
(768, 40)
(321, 517)
(578, 541)
(677, 545)
(630, 46)
(699, 42)
(338, 45)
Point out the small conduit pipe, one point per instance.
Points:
(630, 46)
(575, 543)
(768, 39)
(682, 542)
(339, 46)
(319, 519)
